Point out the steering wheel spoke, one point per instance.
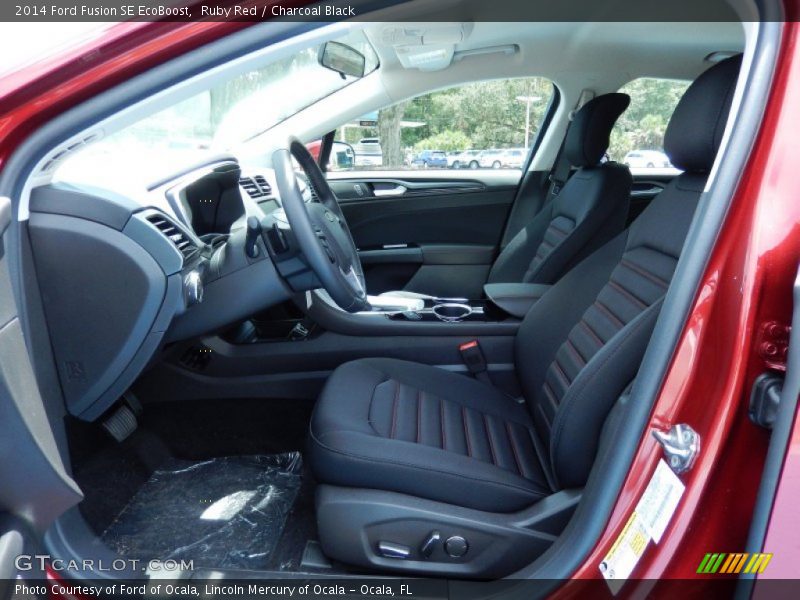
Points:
(320, 227)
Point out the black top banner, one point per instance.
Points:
(394, 10)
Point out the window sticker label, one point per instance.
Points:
(647, 522)
(660, 500)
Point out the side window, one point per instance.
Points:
(638, 136)
(485, 125)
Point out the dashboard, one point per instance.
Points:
(119, 279)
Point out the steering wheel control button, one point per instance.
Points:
(456, 546)
(430, 543)
(392, 550)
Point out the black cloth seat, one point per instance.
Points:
(405, 427)
(591, 208)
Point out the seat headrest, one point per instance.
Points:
(588, 135)
(695, 129)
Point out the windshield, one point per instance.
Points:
(216, 119)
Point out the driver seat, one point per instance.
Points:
(408, 452)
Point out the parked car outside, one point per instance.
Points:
(491, 158)
(430, 159)
(513, 158)
(368, 152)
(649, 159)
(468, 159)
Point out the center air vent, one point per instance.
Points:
(174, 234)
(256, 187)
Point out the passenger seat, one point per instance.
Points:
(590, 209)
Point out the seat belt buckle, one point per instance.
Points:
(555, 185)
(473, 358)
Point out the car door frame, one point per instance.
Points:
(35, 488)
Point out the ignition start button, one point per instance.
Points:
(456, 546)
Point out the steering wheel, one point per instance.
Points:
(320, 228)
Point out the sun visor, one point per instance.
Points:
(425, 46)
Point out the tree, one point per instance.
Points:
(389, 134)
(446, 140)
(642, 126)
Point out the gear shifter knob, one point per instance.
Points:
(253, 233)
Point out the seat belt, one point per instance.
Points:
(562, 168)
(559, 173)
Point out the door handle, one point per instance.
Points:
(397, 190)
(653, 191)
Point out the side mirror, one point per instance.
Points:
(343, 156)
(342, 58)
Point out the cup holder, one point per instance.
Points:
(452, 312)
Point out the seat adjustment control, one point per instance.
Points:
(456, 546)
(392, 550)
(429, 544)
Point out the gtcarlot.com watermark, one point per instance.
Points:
(32, 562)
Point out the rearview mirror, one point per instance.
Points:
(342, 58)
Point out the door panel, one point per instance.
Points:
(431, 233)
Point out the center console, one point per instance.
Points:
(416, 316)
(448, 310)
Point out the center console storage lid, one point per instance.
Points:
(515, 298)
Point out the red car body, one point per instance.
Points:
(745, 297)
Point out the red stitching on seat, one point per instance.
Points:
(466, 430)
(574, 351)
(627, 294)
(550, 395)
(394, 411)
(514, 449)
(419, 416)
(591, 332)
(489, 437)
(560, 372)
(441, 414)
(646, 274)
(607, 312)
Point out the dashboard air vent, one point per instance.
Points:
(174, 234)
(256, 187)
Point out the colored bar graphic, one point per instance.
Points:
(738, 562)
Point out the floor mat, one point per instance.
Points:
(221, 513)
